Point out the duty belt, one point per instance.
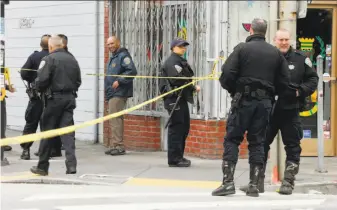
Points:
(257, 93)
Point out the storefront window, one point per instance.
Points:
(314, 37)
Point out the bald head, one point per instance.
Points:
(44, 42)
(113, 44)
(55, 42)
(282, 40)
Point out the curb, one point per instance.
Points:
(56, 181)
(326, 188)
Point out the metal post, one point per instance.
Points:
(320, 136)
(4, 161)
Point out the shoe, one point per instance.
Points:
(182, 163)
(7, 148)
(71, 170)
(288, 182)
(227, 187)
(260, 185)
(36, 170)
(25, 154)
(117, 151)
(254, 176)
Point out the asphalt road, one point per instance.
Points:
(122, 197)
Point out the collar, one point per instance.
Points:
(255, 37)
(289, 52)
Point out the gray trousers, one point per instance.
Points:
(116, 104)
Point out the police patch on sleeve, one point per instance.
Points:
(127, 60)
(42, 64)
(308, 62)
(178, 68)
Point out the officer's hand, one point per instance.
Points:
(297, 93)
(115, 85)
(11, 88)
(197, 88)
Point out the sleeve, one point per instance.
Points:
(282, 80)
(44, 73)
(128, 69)
(231, 69)
(79, 79)
(25, 72)
(310, 80)
(175, 70)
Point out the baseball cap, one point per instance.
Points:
(179, 42)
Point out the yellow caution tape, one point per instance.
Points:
(69, 129)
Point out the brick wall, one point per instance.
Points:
(205, 139)
(143, 132)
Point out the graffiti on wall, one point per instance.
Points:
(246, 26)
(182, 33)
(26, 23)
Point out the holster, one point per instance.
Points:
(32, 93)
(236, 101)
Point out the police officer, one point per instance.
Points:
(57, 144)
(35, 104)
(118, 90)
(59, 77)
(286, 115)
(252, 74)
(179, 126)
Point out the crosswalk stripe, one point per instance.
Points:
(194, 205)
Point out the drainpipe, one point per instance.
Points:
(96, 86)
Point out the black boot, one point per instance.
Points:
(254, 176)
(25, 154)
(260, 185)
(288, 183)
(227, 187)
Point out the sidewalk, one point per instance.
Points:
(150, 168)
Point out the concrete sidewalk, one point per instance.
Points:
(150, 168)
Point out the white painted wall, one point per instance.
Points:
(26, 22)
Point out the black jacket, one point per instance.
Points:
(60, 72)
(302, 77)
(255, 63)
(176, 66)
(32, 63)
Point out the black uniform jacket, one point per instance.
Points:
(255, 63)
(176, 66)
(302, 77)
(60, 72)
(32, 63)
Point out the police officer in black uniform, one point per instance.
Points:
(57, 144)
(252, 74)
(286, 115)
(179, 125)
(59, 77)
(35, 104)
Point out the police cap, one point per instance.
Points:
(178, 42)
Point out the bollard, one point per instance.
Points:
(320, 135)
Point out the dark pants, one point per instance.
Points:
(3, 119)
(288, 121)
(32, 116)
(58, 113)
(252, 116)
(178, 130)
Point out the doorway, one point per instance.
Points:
(316, 35)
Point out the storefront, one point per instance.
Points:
(317, 35)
